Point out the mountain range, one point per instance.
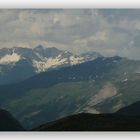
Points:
(45, 84)
(103, 85)
(18, 64)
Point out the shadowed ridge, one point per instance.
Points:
(92, 122)
(8, 122)
(131, 110)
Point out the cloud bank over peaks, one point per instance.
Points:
(110, 32)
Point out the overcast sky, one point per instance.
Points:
(110, 32)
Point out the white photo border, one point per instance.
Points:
(69, 4)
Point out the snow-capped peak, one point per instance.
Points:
(47, 63)
(43, 59)
(76, 60)
(61, 60)
(10, 58)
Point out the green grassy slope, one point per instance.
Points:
(42, 105)
(47, 104)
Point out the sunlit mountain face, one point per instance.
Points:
(18, 64)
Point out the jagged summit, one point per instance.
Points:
(39, 47)
(36, 60)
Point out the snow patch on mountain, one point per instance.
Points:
(39, 56)
(42, 59)
(47, 63)
(76, 60)
(10, 58)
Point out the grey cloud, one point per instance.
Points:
(108, 31)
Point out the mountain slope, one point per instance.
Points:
(127, 118)
(60, 92)
(8, 123)
(101, 86)
(94, 70)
